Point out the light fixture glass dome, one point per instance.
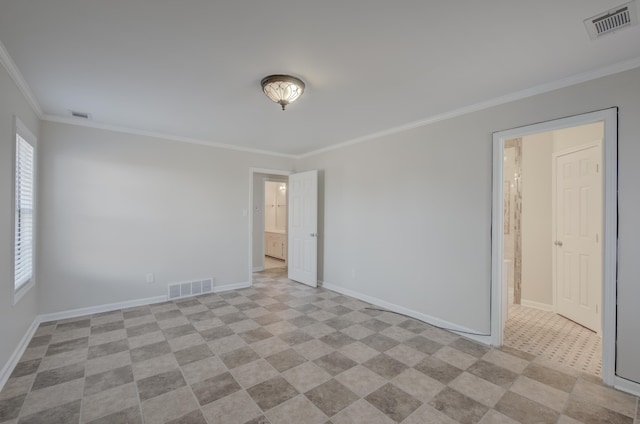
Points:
(282, 89)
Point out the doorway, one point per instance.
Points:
(552, 246)
(275, 222)
(534, 269)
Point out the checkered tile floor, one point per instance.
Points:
(282, 352)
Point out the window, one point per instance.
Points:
(23, 211)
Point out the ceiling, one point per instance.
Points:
(192, 69)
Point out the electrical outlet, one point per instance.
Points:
(150, 277)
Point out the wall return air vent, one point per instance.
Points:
(190, 288)
(612, 20)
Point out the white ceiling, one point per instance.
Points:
(192, 68)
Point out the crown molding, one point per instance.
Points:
(518, 95)
(108, 127)
(19, 80)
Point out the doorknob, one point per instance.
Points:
(314, 234)
(558, 243)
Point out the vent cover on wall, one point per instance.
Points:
(612, 20)
(190, 288)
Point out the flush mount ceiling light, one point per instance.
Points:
(282, 89)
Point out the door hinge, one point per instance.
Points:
(597, 168)
(596, 308)
(597, 238)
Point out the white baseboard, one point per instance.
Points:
(462, 331)
(18, 352)
(625, 385)
(258, 268)
(234, 286)
(91, 310)
(536, 305)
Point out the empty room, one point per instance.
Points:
(321, 213)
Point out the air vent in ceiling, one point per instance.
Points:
(83, 115)
(612, 20)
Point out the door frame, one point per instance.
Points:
(252, 172)
(610, 225)
(554, 212)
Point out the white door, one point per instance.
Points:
(578, 238)
(303, 228)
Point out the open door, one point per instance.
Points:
(303, 228)
(578, 249)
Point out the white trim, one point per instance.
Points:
(536, 305)
(518, 95)
(464, 331)
(628, 386)
(258, 268)
(252, 215)
(19, 80)
(91, 310)
(234, 286)
(610, 225)
(19, 128)
(6, 371)
(79, 122)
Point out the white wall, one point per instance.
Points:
(407, 217)
(14, 319)
(119, 206)
(536, 218)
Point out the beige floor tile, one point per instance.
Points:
(108, 401)
(455, 357)
(306, 376)
(505, 360)
(298, 410)
(106, 363)
(237, 408)
(169, 406)
(49, 397)
(203, 369)
(255, 372)
(428, 414)
(269, 346)
(541, 393)
(418, 385)
(313, 349)
(359, 352)
(17, 386)
(405, 354)
(185, 342)
(361, 412)
(605, 397)
(361, 380)
(226, 344)
(146, 339)
(111, 336)
(478, 389)
(153, 366)
(62, 359)
(495, 417)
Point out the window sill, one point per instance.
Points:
(22, 290)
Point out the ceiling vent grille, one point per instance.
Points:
(612, 20)
(83, 115)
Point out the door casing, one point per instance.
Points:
(609, 236)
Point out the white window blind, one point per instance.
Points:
(23, 256)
